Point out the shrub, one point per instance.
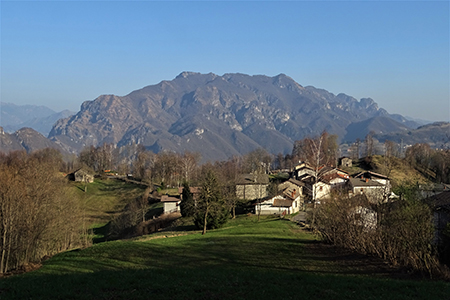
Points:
(401, 231)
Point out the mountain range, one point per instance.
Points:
(40, 118)
(221, 116)
(218, 116)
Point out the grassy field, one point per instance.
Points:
(269, 259)
(105, 198)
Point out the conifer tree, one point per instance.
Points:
(187, 204)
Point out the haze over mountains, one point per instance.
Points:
(221, 116)
(40, 118)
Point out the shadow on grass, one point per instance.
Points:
(154, 212)
(115, 185)
(101, 232)
(249, 260)
(205, 267)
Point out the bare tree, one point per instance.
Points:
(211, 213)
(257, 161)
(36, 216)
(316, 153)
(142, 166)
(369, 142)
(166, 168)
(189, 163)
(228, 173)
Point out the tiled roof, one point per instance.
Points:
(291, 193)
(282, 203)
(296, 182)
(166, 198)
(358, 182)
(253, 179)
(370, 175)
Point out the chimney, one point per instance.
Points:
(367, 180)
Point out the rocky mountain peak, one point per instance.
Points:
(185, 74)
(218, 116)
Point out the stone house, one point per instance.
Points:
(81, 175)
(292, 184)
(252, 186)
(345, 161)
(375, 191)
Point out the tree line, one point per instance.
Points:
(37, 215)
(38, 218)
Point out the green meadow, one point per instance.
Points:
(247, 259)
(104, 199)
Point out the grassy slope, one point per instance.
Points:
(400, 172)
(105, 198)
(246, 260)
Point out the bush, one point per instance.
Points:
(401, 231)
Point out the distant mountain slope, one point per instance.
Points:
(408, 121)
(42, 125)
(377, 125)
(436, 134)
(216, 115)
(11, 114)
(40, 118)
(25, 139)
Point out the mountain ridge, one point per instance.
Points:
(215, 114)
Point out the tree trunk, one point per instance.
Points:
(259, 209)
(204, 221)
(3, 258)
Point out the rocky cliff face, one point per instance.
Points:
(218, 116)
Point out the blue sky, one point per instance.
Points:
(60, 54)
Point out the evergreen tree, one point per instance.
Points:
(187, 204)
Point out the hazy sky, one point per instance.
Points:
(60, 54)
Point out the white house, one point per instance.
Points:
(316, 189)
(384, 180)
(171, 204)
(302, 170)
(278, 205)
